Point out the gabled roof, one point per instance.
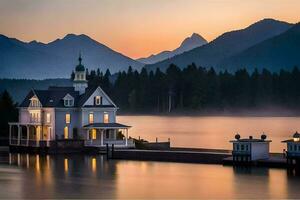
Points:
(53, 97)
(84, 97)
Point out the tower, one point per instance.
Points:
(80, 82)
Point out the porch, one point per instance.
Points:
(29, 134)
(100, 134)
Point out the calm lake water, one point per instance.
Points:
(82, 176)
(211, 132)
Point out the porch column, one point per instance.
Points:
(27, 128)
(9, 134)
(101, 137)
(19, 134)
(126, 138)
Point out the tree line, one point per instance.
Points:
(8, 113)
(197, 89)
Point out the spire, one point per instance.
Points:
(79, 59)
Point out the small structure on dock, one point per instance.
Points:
(250, 149)
(293, 149)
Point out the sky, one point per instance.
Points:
(137, 28)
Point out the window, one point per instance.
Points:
(246, 147)
(237, 147)
(68, 118)
(91, 118)
(66, 133)
(34, 102)
(242, 147)
(34, 116)
(77, 76)
(94, 134)
(48, 118)
(105, 118)
(98, 100)
(81, 76)
(68, 102)
(295, 147)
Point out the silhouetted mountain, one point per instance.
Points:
(281, 51)
(56, 59)
(226, 45)
(189, 43)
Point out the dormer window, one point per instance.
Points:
(68, 101)
(34, 102)
(98, 100)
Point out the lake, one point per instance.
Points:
(88, 177)
(211, 132)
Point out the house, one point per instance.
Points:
(69, 113)
(292, 151)
(250, 149)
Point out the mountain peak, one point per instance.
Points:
(194, 40)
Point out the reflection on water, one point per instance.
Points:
(211, 132)
(83, 176)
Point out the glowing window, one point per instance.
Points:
(94, 134)
(98, 100)
(105, 118)
(91, 118)
(48, 118)
(66, 132)
(68, 118)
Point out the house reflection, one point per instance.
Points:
(55, 176)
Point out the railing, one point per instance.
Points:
(97, 142)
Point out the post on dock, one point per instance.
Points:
(112, 150)
(107, 152)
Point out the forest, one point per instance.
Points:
(197, 89)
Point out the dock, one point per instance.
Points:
(183, 155)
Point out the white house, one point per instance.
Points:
(64, 113)
(250, 149)
(293, 148)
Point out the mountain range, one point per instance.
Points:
(268, 43)
(58, 58)
(227, 45)
(195, 40)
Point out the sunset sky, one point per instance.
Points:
(137, 28)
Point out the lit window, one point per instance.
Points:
(91, 118)
(34, 103)
(68, 118)
(66, 132)
(94, 134)
(98, 100)
(105, 118)
(48, 118)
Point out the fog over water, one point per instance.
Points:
(213, 131)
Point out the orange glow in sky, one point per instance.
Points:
(137, 28)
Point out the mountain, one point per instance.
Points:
(226, 45)
(279, 52)
(58, 58)
(189, 43)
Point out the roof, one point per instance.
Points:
(251, 140)
(290, 140)
(106, 125)
(53, 97)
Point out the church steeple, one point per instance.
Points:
(80, 82)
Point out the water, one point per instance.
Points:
(88, 177)
(211, 132)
